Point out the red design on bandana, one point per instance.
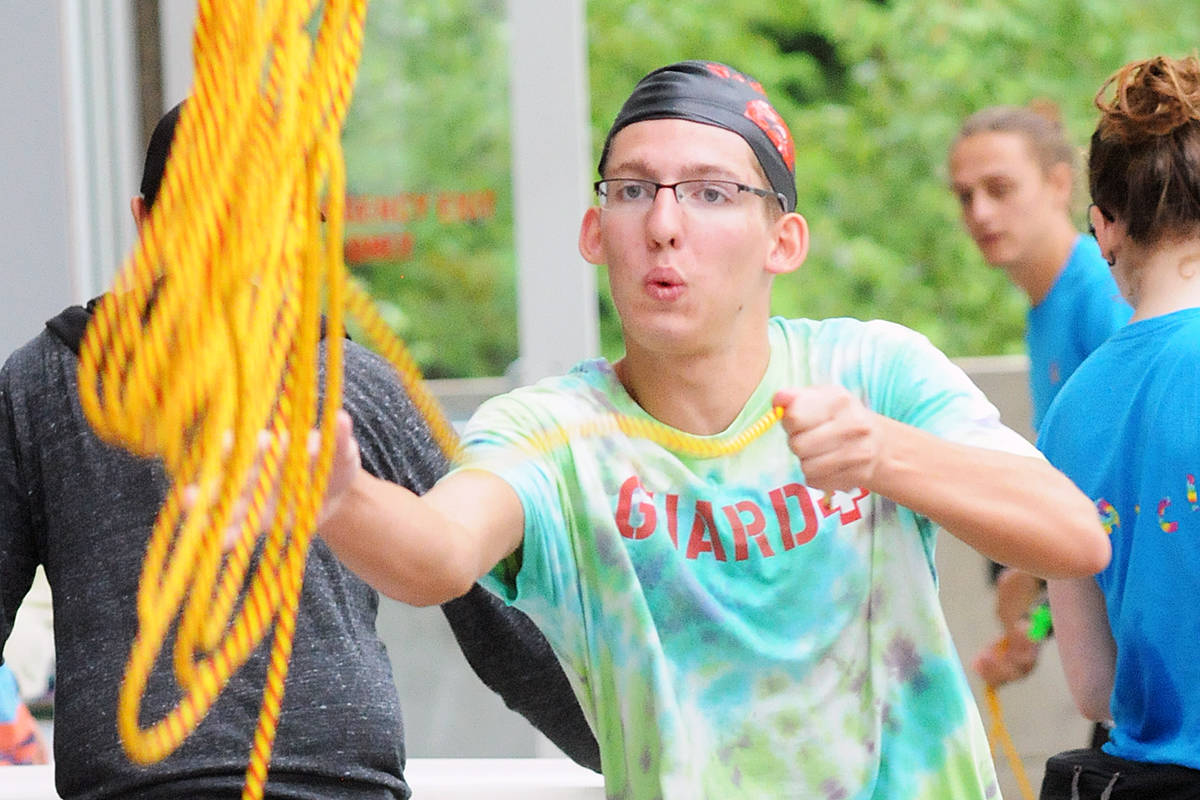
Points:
(722, 71)
(764, 116)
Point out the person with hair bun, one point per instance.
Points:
(1013, 172)
(1125, 429)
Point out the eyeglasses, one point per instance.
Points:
(1103, 213)
(705, 195)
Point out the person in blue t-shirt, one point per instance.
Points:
(1013, 171)
(20, 740)
(1124, 428)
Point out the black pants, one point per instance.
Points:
(1090, 774)
(1099, 735)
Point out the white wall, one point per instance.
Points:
(68, 155)
(34, 250)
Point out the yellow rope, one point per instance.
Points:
(211, 334)
(361, 307)
(998, 733)
(210, 337)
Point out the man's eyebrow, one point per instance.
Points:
(995, 173)
(639, 168)
(987, 179)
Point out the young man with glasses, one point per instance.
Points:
(763, 623)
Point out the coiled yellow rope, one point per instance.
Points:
(210, 337)
(998, 735)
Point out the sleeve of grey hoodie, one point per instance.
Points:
(18, 547)
(504, 648)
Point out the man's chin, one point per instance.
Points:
(996, 257)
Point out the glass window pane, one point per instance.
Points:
(429, 207)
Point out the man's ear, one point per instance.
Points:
(137, 207)
(589, 237)
(790, 245)
(1061, 181)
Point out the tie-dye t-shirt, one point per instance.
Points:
(729, 631)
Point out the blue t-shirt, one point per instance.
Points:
(732, 633)
(10, 698)
(1083, 308)
(1126, 429)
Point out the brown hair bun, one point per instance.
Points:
(1151, 98)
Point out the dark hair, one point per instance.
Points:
(1144, 164)
(156, 155)
(1040, 124)
(715, 94)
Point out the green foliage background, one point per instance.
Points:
(430, 114)
(874, 91)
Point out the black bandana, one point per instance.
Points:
(714, 94)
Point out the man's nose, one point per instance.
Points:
(979, 208)
(664, 217)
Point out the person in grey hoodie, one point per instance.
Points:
(84, 509)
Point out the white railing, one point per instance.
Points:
(430, 779)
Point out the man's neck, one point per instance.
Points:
(1036, 277)
(700, 394)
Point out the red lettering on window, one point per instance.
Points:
(779, 503)
(365, 249)
(420, 204)
(403, 207)
(704, 537)
(743, 531)
(356, 209)
(625, 509)
(466, 206)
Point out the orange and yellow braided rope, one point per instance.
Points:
(210, 337)
(211, 334)
(361, 307)
(998, 735)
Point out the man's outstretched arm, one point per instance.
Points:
(419, 550)
(1017, 510)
